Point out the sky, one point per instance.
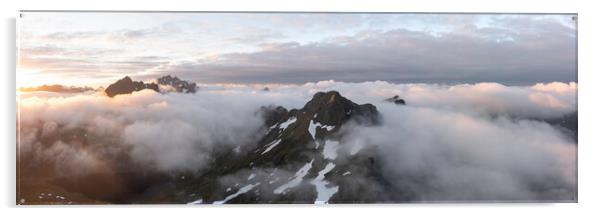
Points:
(96, 49)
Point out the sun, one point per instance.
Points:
(26, 78)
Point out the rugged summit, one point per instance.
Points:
(127, 86)
(331, 108)
(299, 159)
(177, 84)
(310, 126)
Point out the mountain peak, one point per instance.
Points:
(333, 109)
(307, 140)
(126, 86)
(177, 84)
(306, 128)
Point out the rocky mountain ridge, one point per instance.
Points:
(127, 86)
(300, 159)
(163, 84)
(177, 85)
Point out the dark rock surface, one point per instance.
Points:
(127, 86)
(332, 109)
(273, 114)
(294, 144)
(177, 84)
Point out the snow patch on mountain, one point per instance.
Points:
(242, 190)
(312, 129)
(287, 123)
(271, 146)
(324, 192)
(199, 201)
(297, 179)
(314, 125)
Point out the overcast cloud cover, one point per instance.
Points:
(444, 145)
(98, 48)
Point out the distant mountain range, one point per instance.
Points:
(56, 88)
(124, 86)
(169, 84)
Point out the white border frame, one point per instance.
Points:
(589, 102)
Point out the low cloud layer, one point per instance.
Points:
(461, 142)
(163, 132)
(542, 100)
(441, 155)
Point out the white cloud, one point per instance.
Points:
(550, 100)
(447, 155)
(449, 142)
(168, 132)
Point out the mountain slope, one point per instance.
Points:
(300, 159)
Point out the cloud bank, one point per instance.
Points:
(164, 132)
(458, 142)
(440, 155)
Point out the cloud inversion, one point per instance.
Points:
(459, 142)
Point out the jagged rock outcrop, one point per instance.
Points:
(273, 114)
(127, 86)
(177, 84)
(396, 100)
(331, 108)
